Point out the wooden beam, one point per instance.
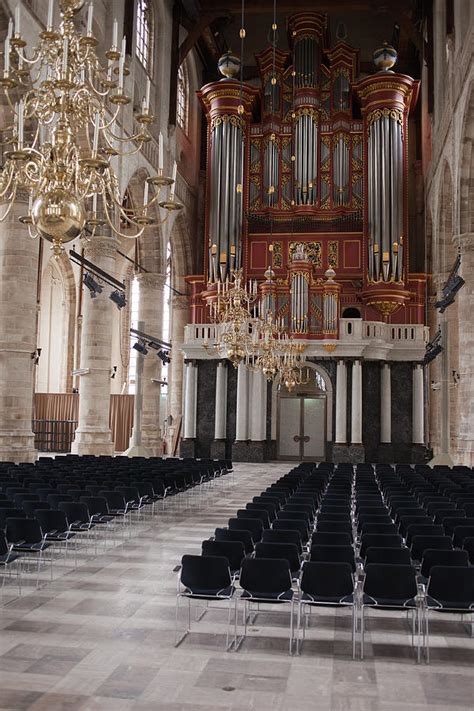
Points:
(194, 35)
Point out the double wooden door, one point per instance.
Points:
(302, 427)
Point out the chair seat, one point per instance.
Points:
(31, 547)
(386, 602)
(8, 558)
(204, 594)
(286, 596)
(448, 605)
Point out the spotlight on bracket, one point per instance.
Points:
(164, 357)
(433, 348)
(118, 297)
(140, 347)
(93, 285)
(451, 288)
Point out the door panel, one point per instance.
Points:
(314, 421)
(290, 420)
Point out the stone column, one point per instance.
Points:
(18, 278)
(150, 311)
(242, 405)
(179, 319)
(356, 412)
(221, 401)
(418, 405)
(465, 298)
(93, 434)
(385, 404)
(190, 401)
(258, 406)
(341, 403)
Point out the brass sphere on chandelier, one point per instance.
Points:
(58, 215)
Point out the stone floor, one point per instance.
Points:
(101, 637)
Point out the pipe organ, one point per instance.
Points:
(307, 180)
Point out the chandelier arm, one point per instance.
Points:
(21, 53)
(11, 171)
(11, 201)
(117, 231)
(33, 235)
(106, 126)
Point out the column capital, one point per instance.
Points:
(180, 301)
(151, 280)
(101, 246)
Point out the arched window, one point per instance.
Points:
(182, 101)
(144, 43)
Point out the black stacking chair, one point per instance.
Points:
(300, 508)
(326, 584)
(461, 532)
(394, 556)
(423, 530)
(333, 554)
(274, 535)
(406, 521)
(254, 525)
(371, 540)
(450, 589)
(55, 499)
(468, 545)
(379, 528)
(286, 524)
(55, 529)
(390, 586)
(226, 534)
(421, 543)
(27, 539)
(234, 551)
(265, 581)
(6, 513)
(9, 560)
(286, 551)
(253, 514)
(334, 527)
(265, 506)
(433, 556)
(452, 522)
(204, 578)
(30, 507)
(330, 539)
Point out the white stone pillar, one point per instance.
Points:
(179, 319)
(356, 410)
(258, 406)
(341, 403)
(465, 299)
(242, 406)
(150, 312)
(18, 279)
(385, 404)
(418, 405)
(190, 402)
(93, 434)
(220, 422)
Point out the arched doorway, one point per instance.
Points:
(302, 417)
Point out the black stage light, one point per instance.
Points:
(164, 357)
(118, 297)
(93, 286)
(140, 347)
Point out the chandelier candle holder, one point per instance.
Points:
(64, 133)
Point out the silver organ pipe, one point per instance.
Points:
(225, 216)
(385, 199)
(306, 174)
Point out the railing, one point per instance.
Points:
(54, 435)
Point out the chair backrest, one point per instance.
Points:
(287, 551)
(453, 585)
(97, 505)
(421, 543)
(75, 511)
(422, 529)
(468, 545)
(382, 528)
(30, 507)
(23, 529)
(227, 534)
(434, 556)
(395, 556)
(274, 535)
(209, 573)
(334, 527)
(331, 539)
(329, 580)
(461, 532)
(390, 581)
(10, 513)
(369, 540)
(115, 499)
(333, 554)
(284, 513)
(51, 520)
(287, 524)
(405, 521)
(300, 508)
(262, 506)
(55, 499)
(258, 513)
(452, 522)
(234, 551)
(254, 525)
(265, 575)
(345, 517)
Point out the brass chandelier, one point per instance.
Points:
(65, 133)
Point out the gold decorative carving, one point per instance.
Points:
(386, 308)
(377, 114)
(333, 254)
(228, 118)
(312, 249)
(277, 255)
(329, 347)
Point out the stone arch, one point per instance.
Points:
(466, 172)
(329, 399)
(181, 252)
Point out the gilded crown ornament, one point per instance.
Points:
(62, 136)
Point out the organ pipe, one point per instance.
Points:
(385, 198)
(306, 141)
